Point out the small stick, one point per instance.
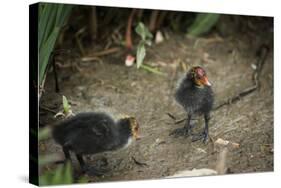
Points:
(139, 163)
(180, 121)
(171, 116)
(93, 23)
(47, 109)
(91, 59)
(237, 97)
(55, 74)
(106, 52)
(262, 52)
(101, 53)
(128, 35)
(78, 41)
(153, 18)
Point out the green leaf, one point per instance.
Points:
(45, 54)
(50, 24)
(68, 179)
(51, 19)
(44, 179)
(140, 54)
(146, 37)
(148, 42)
(66, 106)
(203, 23)
(152, 70)
(58, 176)
(61, 175)
(142, 31)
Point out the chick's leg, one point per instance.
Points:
(90, 170)
(66, 153)
(206, 130)
(188, 126)
(184, 131)
(81, 161)
(205, 134)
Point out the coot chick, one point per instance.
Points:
(94, 132)
(195, 95)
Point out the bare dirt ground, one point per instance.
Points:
(111, 86)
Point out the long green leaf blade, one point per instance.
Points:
(203, 23)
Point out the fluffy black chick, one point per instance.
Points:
(94, 132)
(195, 95)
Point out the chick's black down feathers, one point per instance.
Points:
(193, 99)
(90, 133)
(195, 95)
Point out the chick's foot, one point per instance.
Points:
(204, 136)
(181, 132)
(92, 171)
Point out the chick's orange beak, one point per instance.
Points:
(136, 135)
(205, 81)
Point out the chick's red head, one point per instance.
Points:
(199, 76)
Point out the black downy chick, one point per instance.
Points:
(94, 132)
(195, 95)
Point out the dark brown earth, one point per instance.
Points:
(111, 86)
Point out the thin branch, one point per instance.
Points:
(262, 52)
(93, 23)
(153, 19)
(128, 36)
(47, 109)
(78, 40)
(171, 116)
(96, 55)
(139, 163)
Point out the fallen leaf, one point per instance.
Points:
(220, 141)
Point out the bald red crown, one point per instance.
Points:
(200, 71)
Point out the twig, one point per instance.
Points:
(180, 121)
(106, 52)
(101, 53)
(91, 59)
(47, 109)
(160, 19)
(139, 163)
(55, 73)
(93, 23)
(153, 18)
(237, 97)
(128, 36)
(171, 116)
(78, 41)
(262, 52)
